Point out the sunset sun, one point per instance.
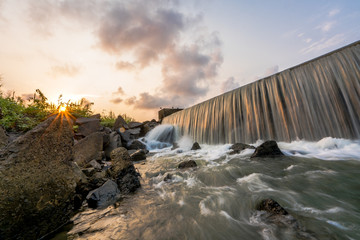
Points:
(62, 109)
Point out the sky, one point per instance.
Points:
(134, 57)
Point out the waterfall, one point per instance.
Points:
(319, 98)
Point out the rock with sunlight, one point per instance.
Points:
(267, 149)
(37, 181)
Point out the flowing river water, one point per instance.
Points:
(318, 183)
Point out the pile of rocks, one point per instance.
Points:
(49, 172)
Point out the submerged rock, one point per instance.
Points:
(187, 164)
(168, 177)
(37, 181)
(103, 196)
(267, 149)
(195, 146)
(271, 206)
(238, 147)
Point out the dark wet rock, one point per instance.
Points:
(238, 147)
(94, 164)
(4, 139)
(135, 125)
(187, 164)
(120, 123)
(135, 145)
(195, 146)
(175, 146)
(123, 171)
(267, 149)
(168, 177)
(37, 181)
(88, 126)
(138, 155)
(103, 196)
(88, 149)
(271, 206)
(114, 142)
(128, 180)
(120, 159)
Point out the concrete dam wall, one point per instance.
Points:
(316, 99)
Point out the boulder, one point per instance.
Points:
(88, 149)
(135, 145)
(37, 181)
(272, 207)
(120, 123)
(123, 171)
(195, 146)
(125, 137)
(138, 155)
(94, 164)
(238, 147)
(103, 196)
(135, 125)
(267, 149)
(4, 139)
(187, 164)
(88, 126)
(114, 142)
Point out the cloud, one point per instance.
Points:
(123, 65)
(116, 100)
(324, 43)
(130, 101)
(150, 32)
(67, 70)
(119, 91)
(326, 26)
(334, 12)
(229, 84)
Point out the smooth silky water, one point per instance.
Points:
(316, 182)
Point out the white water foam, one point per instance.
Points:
(326, 149)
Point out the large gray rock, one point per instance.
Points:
(114, 142)
(88, 126)
(4, 139)
(103, 196)
(120, 123)
(267, 149)
(88, 149)
(37, 181)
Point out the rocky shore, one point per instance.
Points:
(50, 172)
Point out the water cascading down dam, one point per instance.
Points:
(316, 99)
